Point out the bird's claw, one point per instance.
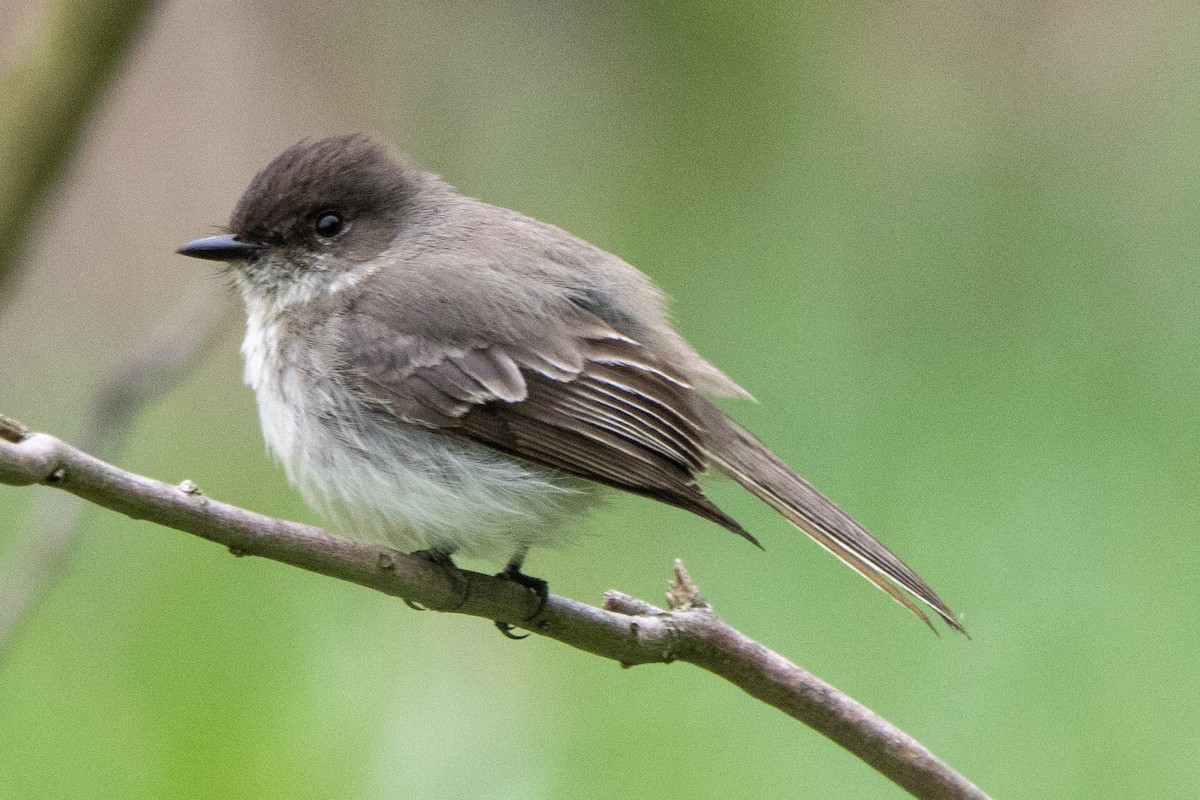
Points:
(539, 587)
(440, 558)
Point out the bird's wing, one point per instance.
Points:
(581, 398)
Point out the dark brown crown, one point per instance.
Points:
(352, 176)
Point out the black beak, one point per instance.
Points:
(225, 247)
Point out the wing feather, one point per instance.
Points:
(591, 403)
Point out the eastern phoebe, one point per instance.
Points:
(438, 373)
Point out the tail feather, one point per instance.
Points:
(738, 454)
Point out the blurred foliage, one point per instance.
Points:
(948, 247)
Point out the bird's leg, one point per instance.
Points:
(440, 558)
(512, 572)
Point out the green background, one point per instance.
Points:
(947, 246)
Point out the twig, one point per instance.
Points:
(32, 563)
(626, 630)
(51, 82)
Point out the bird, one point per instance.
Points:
(438, 374)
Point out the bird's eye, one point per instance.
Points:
(329, 225)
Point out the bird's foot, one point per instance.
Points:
(440, 558)
(539, 587)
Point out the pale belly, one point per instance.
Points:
(377, 479)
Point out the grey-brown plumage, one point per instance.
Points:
(439, 372)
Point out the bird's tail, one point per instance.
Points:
(741, 456)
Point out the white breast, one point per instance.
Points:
(379, 480)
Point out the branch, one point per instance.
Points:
(52, 80)
(627, 630)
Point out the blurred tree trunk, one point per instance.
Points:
(59, 60)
